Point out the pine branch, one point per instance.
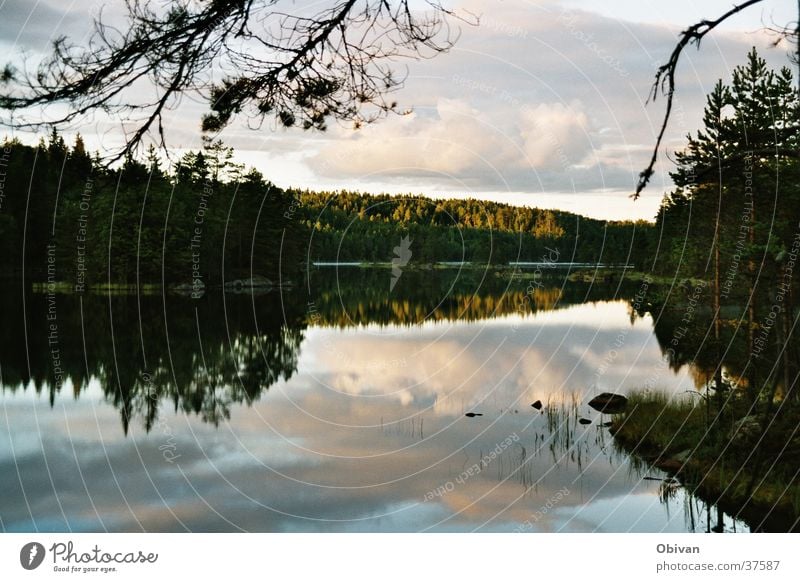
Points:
(665, 81)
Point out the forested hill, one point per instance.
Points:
(65, 217)
(356, 226)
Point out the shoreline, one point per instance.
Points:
(522, 271)
(713, 463)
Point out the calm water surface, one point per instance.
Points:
(337, 406)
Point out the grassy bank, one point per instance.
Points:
(745, 463)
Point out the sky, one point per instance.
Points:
(543, 104)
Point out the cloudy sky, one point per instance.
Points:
(543, 104)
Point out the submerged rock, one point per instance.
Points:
(609, 403)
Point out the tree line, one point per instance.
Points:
(729, 239)
(733, 220)
(354, 226)
(68, 218)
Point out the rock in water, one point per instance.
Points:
(746, 429)
(609, 403)
(473, 414)
(584, 421)
(254, 282)
(537, 405)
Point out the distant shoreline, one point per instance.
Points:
(582, 273)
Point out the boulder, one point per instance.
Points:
(674, 463)
(746, 429)
(609, 403)
(669, 465)
(255, 285)
(254, 282)
(195, 290)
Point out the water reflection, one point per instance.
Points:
(339, 406)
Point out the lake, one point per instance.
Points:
(336, 405)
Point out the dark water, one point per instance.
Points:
(337, 405)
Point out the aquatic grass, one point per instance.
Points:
(658, 423)
(518, 462)
(567, 438)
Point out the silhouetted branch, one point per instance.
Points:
(301, 68)
(665, 80)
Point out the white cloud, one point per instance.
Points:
(449, 140)
(555, 135)
(460, 141)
